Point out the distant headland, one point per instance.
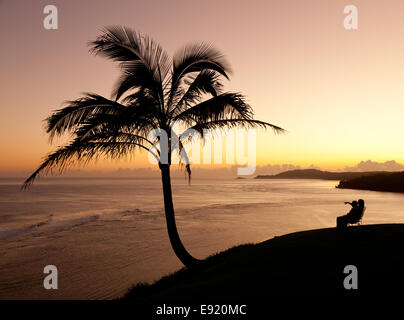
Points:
(371, 180)
(317, 174)
(387, 181)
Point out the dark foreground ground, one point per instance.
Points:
(298, 264)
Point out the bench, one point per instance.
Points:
(358, 220)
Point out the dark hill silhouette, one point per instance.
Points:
(387, 181)
(302, 263)
(317, 174)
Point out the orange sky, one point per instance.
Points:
(339, 93)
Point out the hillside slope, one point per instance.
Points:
(302, 263)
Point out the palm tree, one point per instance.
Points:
(152, 93)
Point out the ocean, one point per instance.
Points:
(105, 235)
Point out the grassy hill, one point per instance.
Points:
(301, 263)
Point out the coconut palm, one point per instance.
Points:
(152, 93)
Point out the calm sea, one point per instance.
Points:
(105, 235)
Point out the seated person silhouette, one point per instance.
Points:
(353, 216)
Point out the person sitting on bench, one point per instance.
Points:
(353, 216)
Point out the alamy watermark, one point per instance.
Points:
(351, 20)
(51, 280)
(351, 280)
(228, 147)
(50, 22)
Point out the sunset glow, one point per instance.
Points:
(201, 158)
(339, 93)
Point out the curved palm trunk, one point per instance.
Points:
(175, 240)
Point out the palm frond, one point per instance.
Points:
(135, 76)
(131, 50)
(230, 123)
(139, 120)
(206, 82)
(81, 150)
(195, 58)
(78, 111)
(224, 106)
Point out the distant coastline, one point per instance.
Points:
(318, 174)
(387, 182)
(371, 180)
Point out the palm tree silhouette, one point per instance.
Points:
(152, 93)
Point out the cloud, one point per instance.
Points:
(376, 166)
(208, 172)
